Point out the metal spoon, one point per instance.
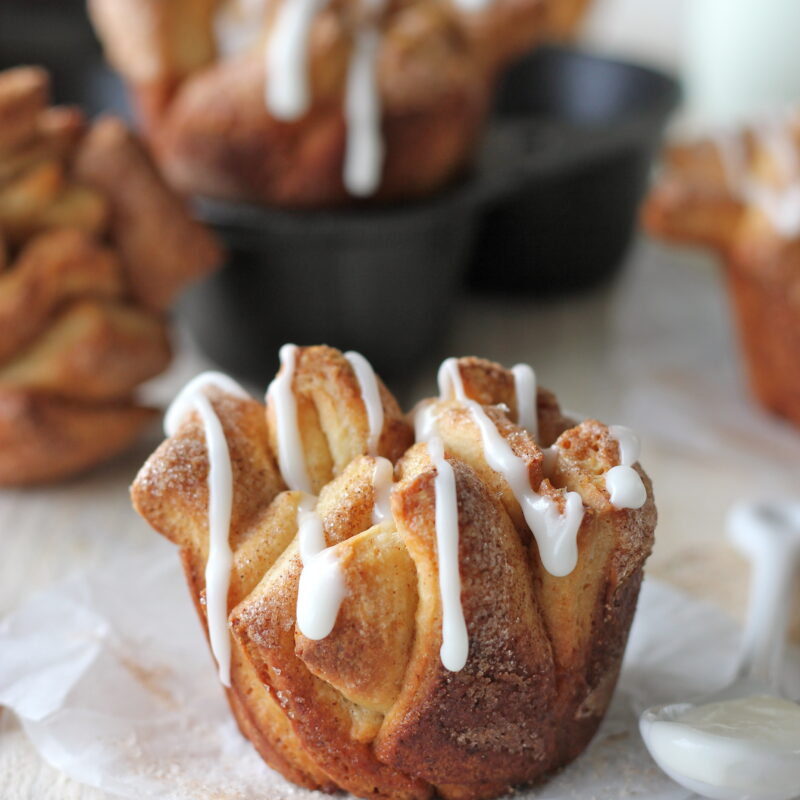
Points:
(746, 746)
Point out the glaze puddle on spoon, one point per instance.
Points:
(743, 743)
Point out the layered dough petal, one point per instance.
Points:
(44, 438)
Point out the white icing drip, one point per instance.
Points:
(629, 445)
(776, 138)
(472, 6)
(555, 531)
(549, 461)
(291, 457)
(288, 95)
(733, 155)
(238, 25)
(625, 487)
(382, 479)
(365, 149)
(370, 396)
(455, 640)
(321, 589)
(310, 534)
(623, 483)
(220, 505)
(525, 390)
(320, 594)
(779, 204)
(424, 416)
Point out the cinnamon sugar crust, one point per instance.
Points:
(205, 113)
(93, 248)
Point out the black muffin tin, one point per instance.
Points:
(550, 207)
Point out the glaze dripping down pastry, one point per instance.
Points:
(376, 582)
(313, 103)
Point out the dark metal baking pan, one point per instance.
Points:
(550, 206)
(569, 153)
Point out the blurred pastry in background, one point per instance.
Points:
(298, 103)
(738, 194)
(565, 18)
(94, 247)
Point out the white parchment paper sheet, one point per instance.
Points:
(110, 675)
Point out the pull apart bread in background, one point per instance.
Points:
(737, 194)
(94, 247)
(200, 72)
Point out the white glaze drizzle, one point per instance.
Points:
(382, 478)
(370, 396)
(365, 148)
(629, 445)
(238, 26)
(280, 395)
(455, 639)
(779, 204)
(733, 155)
(320, 593)
(288, 94)
(472, 6)
(525, 390)
(220, 505)
(321, 589)
(554, 529)
(623, 482)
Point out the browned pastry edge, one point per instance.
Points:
(24, 92)
(93, 351)
(161, 246)
(768, 322)
(692, 215)
(45, 439)
(53, 268)
(693, 204)
(217, 139)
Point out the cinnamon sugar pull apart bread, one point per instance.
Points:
(94, 248)
(302, 103)
(404, 607)
(738, 194)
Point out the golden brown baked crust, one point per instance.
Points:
(207, 120)
(44, 438)
(370, 708)
(93, 247)
(161, 246)
(697, 201)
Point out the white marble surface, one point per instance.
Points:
(655, 350)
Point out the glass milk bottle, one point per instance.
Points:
(742, 58)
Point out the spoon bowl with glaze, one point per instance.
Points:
(743, 742)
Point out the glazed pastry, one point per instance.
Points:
(566, 17)
(404, 606)
(93, 248)
(739, 195)
(302, 104)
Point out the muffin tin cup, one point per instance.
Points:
(379, 282)
(550, 206)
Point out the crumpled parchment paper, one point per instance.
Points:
(111, 678)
